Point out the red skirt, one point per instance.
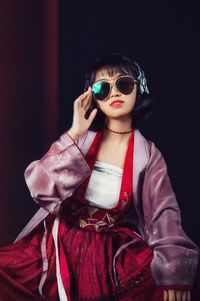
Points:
(107, 265)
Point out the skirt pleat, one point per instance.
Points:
(95, 266)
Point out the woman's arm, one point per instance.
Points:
(54, 177)
(175, 255)
(63, 168)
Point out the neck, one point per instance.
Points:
(122, 125)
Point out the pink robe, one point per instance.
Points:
(154, 213)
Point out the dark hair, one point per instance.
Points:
(117, 63)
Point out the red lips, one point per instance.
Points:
(116, 101)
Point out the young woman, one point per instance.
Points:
(109, 226)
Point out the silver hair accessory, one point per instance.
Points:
(142, 80)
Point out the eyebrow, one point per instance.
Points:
(121, 74)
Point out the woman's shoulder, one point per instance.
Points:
(152, 151)
(139, 138)
(156, 155)
(142, 142)
(143, 146)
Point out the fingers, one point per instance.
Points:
(85, 94)
(177, 295)
(188, 296)
(184, 296)
(92, 115)
(171, 295)
(87, 102)
(80, 101)
(165, 296)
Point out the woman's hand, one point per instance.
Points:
(177, 295)
(80, 124)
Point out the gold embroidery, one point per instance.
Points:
(83, 223)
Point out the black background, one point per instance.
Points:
(162, 36)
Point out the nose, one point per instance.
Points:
(113, 90)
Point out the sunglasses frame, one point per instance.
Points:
(113, 83)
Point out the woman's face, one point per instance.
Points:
(126, 106)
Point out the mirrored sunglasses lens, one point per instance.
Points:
(101, 90)
(125, 85)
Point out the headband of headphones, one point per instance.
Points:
(142, 80)
(140, 77)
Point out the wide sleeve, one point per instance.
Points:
(175, 257)
(54, 177)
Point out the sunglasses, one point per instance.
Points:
(124, 84)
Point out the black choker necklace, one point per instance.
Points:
(118, 132)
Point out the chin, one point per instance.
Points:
(118, 114)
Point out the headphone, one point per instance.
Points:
(136, 70)
(143, 88)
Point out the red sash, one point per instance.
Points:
(126, 191)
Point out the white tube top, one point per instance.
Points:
(104, 185)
